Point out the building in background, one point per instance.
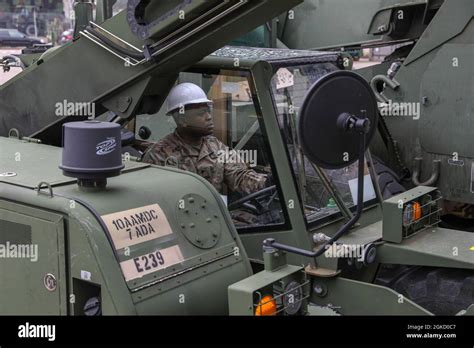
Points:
(40, 18)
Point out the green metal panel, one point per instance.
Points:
(351, 297)
(435, 247)
(448, 112)
(339, 22)
(363, 235)
(23, 273)
(198, 292)
(443, 28)
(430, 76)
(468, 311)
(144, 187)
(88, 249)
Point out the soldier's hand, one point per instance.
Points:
(270, 181)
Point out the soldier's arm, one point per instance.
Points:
(238, 177)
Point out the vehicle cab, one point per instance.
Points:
(257, 93)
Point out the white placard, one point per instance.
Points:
(284, 78)
(369, 192)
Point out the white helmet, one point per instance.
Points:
(186, 94)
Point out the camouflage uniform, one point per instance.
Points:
(207, 161)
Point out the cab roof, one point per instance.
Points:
(248, 56)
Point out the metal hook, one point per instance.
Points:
(48, 186)
(417, 170)
(14, 130)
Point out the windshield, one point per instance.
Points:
(289, 86)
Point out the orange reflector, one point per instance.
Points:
(416, 211)
(266, 306)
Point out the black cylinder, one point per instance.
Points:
(91, 150)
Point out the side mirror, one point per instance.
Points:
(333, 109)
(337, 121)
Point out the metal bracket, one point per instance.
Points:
(147, 53)
(129, 61)
(123, 103)
(48, 186)
(321, 272)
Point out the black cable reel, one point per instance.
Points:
(337, 121)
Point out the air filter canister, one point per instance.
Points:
(91, 151)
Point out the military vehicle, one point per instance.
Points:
(104, 233)
(424, 87)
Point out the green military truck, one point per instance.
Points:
(147, 239)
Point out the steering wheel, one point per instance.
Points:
(256, 197)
